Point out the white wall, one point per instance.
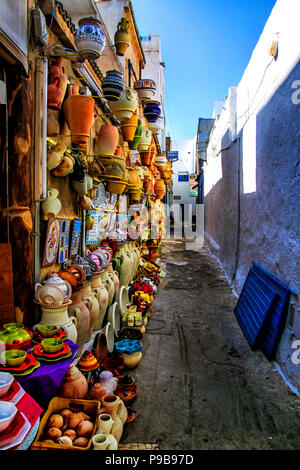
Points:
(186, 163)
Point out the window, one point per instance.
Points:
(183, 177)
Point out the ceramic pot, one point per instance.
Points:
(127, 104)
(115, 278)
(152, 110)
(89, 38)
(108, 381)
(145, 140)
(74, 384)
(52, 126)
(157, 126)
(126, 390)
(115, 407)
(49, 294)
(82, 188)
(131, 360)
(113, 166)
(113, 85)
(116, 187)
(102, 297)
(89, 298)
(55, 156)
(95, 168)
(58, 316)
(122, 37)
(148, 186)
(145, 88)
(108, 283)
(65, 167)
(97, 392)
(85, 203)
(102, 441)
(125, 268)
(79, 113)
(129, 126)
(112, 407)
(55, 280)
(133, 144)
(52, 205)
(105, 422)
(57, 84)
(80, 311)
(13, 334)
(107, 140)
(159, 188)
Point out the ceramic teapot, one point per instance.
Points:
(52, 205)
(53, 281)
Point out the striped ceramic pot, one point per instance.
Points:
(113, 85)
(145, 88)
(89, 38)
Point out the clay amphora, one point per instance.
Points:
(89, 298)
(125, 268)
(122, 37)
(104, 442)
(79, 115)
(80, 311)
(115, 277)
(107, 140)
(74, 384)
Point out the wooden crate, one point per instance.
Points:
(90, 407)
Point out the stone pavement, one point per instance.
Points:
(200, 385)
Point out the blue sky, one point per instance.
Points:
(206, 46)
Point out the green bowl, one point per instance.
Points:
(47, 330)
(13, 357)
(52, 345)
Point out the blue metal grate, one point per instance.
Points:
(254, 307)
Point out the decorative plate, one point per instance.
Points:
(60, 334)
(60, 358)
(51, 242)
(28, 371)
(16, 432)
(28, 363)
(37, 350)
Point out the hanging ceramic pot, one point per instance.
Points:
(74, 384)
(151, 110)
(85, 203)
(159, 188)
(82, 188)
(52, 125)
(115, 186)
(79, 114)
(146, 88)
(145, 140)
(65, 167)
(54, 90)
(107, 140)
(113, 85)
(52, 205)
(55, 156)
(158, 126)
(122, 37)
(127, 104)
(113, 166)
(129, 126)
(89, 38)
(133, 144)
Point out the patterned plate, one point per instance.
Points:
(27, 372)
(28, 363)
(15, 433)
(60, 358)
(60, 334)
(14, 393)
(38, 351)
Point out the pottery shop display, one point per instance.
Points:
(129, 126)
(52, 205)
(122, 37)
(113, 85)
(79, 113)
(89, 38)
(152, 110)
(80, 311)
(145, 140)
(74, 384)
(133, 144)
(127, 104)
(107, 140)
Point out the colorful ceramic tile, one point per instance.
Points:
(75, 239)
(63, 249)
(51, 242)
(93, 235)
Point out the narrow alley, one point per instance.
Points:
(200, 384)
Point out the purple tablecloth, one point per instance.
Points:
(42, 384)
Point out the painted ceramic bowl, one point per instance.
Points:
(52, 345)
(13, 357)
(6, 380)
(47, 331)
(7, 413)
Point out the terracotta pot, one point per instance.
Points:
(148, 186)
(107, 141)
(116, 187)
(122, 37)
(126, 390)
(119, 151)
(89, 298)
(146, 158)
(102, 297)
(79, 114)
(57, 84)
(74, 384)
(113, 166)
(129, 127)
(159, 188)
(97, 392)
(146, 88)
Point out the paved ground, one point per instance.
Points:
(200, 385)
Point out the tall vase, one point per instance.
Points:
(59, 317)
(108, 139)
(102, 297)
(79, 310)
(125, 267)
(79, 115)
(89, 297)
(115, 277)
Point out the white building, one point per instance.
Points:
(183, 168)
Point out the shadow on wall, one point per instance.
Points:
(262, 225)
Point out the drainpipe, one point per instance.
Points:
(44, 128)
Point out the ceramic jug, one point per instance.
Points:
(55, 156)
(52, 205)
(113, 405)
(122, 36)
(80, 311)
(104, 442)
(82, 188)
(115, 277)
(108, 283)
(89, 298)
(59, 317)
(79, 114)
(65, 167)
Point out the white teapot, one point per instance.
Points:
(45, 290)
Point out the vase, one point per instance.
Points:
(52, 205)
(108, 381)
(107, 140)
(97, 392)
(129, 126)
(79, 113)
(114, 317)
(145, 140)
(59, 79)
(131, 360)
(115, 278)
(89, 298)
(145, 88)
(58, 316)
(126, 390)
(113, 85)
(89, 38)
(102, 441)
(108, 283)
(152, 110)
(80, 311)
(112, 405)
(127, 104)
(133, 144)
(74, 384)
(122, 37)
(159, 188)
(102, 297)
